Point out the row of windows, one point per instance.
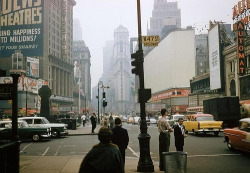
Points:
(167, 14)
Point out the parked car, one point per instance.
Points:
(57, 129)
(124, 118)
(203, 123)
(137, 120)
(24, 131)
(174, 119)
(152, 120)
(239, 137)
(130, 120)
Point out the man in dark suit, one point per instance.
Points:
(93, 122)
(120, 137)
(179, 134)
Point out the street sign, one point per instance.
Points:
(151, 41)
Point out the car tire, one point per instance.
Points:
(195, 133)
(55, 134)
(216, 133)
(35, 137)
(230, 147)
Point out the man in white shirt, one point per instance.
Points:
(164, 137)
(83, 120)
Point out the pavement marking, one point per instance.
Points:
(57, 150)
(47, 149)
(133, 152)
(25, 147)
(214, 155)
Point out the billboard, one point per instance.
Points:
(214, 57)
(32, 67)
(21, 27)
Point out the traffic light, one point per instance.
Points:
(144, 95)
(136, 61)
(104, 96)
(104, 104)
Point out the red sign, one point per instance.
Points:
(240, 47)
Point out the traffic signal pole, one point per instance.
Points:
(145, 163)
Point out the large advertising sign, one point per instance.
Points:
(32, 67)
(240, 47)
(241, 12)
(214, 57)
(24, 83)
(21, 27)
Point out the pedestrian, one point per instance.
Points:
(105, 121)
(93, 122)
(83, 118)
(111, 121)
(120, 137)
(164, 137)
(179, 135)
(104, 157)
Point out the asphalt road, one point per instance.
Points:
(206, 153)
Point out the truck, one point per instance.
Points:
(226, 109)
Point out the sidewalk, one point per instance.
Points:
(68, 164)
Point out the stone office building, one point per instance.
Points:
(44, 37)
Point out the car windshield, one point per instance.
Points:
(176, 117)
(204, 118)
(245, 126)
(23, 124)
(45, 121)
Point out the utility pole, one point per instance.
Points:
(145, 163)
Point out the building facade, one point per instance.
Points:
(238, 85)
(168, 69)
(165, 17)
(122, 70)
(201, 61)
(82, 77)
(46, 44)
(77, 30)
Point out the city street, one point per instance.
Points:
(206, 153)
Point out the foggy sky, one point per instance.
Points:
(99, 19)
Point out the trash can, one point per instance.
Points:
(74, 122)
(175, 162)
(68, 122)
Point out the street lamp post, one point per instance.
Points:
(26, 98)
(100, 82)
(145, 163)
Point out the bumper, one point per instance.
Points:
(209, 130)
(65, 133)
(46, 136)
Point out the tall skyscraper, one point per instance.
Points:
(77, 30)
(122, 70)
(165, 16)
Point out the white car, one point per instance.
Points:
(136, 120)
(57, 129)
(174, 119)
(152, 120)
